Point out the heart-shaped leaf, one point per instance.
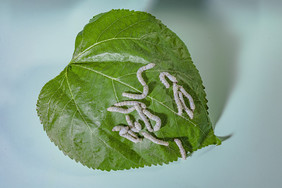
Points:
(108, 53)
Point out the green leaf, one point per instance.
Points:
(108, 52)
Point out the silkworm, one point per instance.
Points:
(187, 110)
(133, 127)
(180, 146)
(137, 96)
(125, 132)
(134, 130)
(189, 97)
(176, 98)
(137, 126)
(133, 96)
(146, 67)
(155, 118)
(189, 113)
(143, 117)
(121, 110)
(131, 138)
(143, 83)
(117, 128)
(153, 139)
(169, 76)
(130, 132)
(128, 120)
(163, 80)
(145, 90)
(140, 70)
(130, 103)
(122, 129)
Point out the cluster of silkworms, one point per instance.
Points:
(178, 93)
(132, 128)
(131, 131)
(145, 115)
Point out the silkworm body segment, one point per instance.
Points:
(131, 138)
(137, 126)
(176, 98)
(122, 129)
(181, 148)
(169, 76)
(130, 103)
(125, 132)
(121, 110)
(144, 118)
(155, 118)
(189, 97)
(140, 70)
(187, 110)
(154, 140)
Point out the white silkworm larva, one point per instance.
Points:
(155, 118)
(128, 120)
(137, 96)
(176, 98)
(131, 126)
(130, 103)
(122, 129)
(137, 126)
(169, 76)
(144, 118)
(134, 96)
(134, 130)
(153, 139)
(117, 128)
(126, 133)
(131, 138)
(130, 132)
(180, 146)
(149, 66)
(121, 110)
(187, 110)
(145, 90)
(139, 77)
(140, 70)
(189, 97)
(163, 80)
(143, 83)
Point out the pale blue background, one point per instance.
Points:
(237, 47)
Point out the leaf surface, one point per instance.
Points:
(108, 52)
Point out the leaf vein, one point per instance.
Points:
(114, 88)
(110, 26)
(130, 26)
(47, 113)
